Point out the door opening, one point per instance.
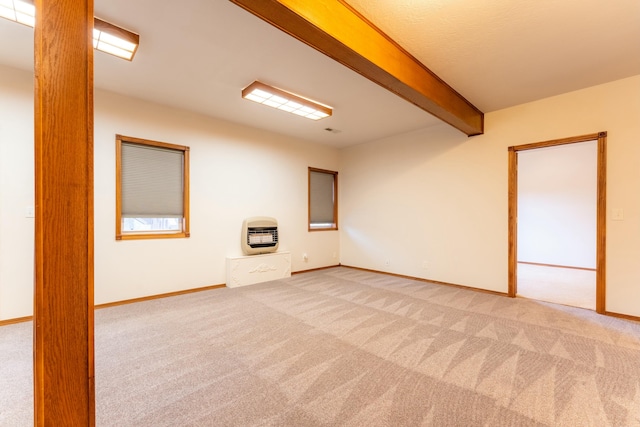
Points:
(544, 251)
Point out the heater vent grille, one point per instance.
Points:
(259, 235)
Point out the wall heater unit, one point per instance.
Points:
(259, 235)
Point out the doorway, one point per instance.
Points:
(540, 270)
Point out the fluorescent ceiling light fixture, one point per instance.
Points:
(23, 12)
(107, 37)
(285, 101)
(114, 40)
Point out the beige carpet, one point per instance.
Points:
(342, 347)
(568, 286)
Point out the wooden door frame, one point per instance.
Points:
(601, 211)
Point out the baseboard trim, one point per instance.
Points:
(504, 294)
(16, 320)
(556, 266)
(314, 269)
(622, 316)
(158, 296)
(420, 279)
(206, 288)
(123, 302)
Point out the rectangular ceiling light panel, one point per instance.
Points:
(107, 37)
(23, 12)
(114, 40)
(285, 101)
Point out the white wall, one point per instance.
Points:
(236, 172)
(438, 199)
(16, 193)
(557, 200)
(433, 203)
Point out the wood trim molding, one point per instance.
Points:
(622, 316)
(64, 387)
(146, 236)
(184, 233)
(512, 287)
(601, 226)
(606, 313)
(159, 296)
(556, 266)
(340, 32)
(15, 320)
(557, 142)
(127, 301)
(206, 288)
(601, 215)
(118, 188)
(334, 226)
(419, 279)
(186, 192)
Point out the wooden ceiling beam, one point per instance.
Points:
(340, 32)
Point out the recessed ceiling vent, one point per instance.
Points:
(332, 130)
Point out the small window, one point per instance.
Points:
(152, 189)
(323, 200)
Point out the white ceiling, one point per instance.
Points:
(496, 53)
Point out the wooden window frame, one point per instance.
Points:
(120, 235)
(334, 225)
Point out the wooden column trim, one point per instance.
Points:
(513, 223)
(340, 32)
(63, 296)
(601, 226)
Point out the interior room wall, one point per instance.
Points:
(235, 172)
(433, 203)
(16, 193)
(557, 197)
(429, 204)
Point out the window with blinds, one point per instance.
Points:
(152, 189)
(323, 199)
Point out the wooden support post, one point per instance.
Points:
(63, 305)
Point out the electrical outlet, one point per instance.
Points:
(30, 212)
(425, 265)
(305, 257)
(387, 261)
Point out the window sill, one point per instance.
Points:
(323, 228)
(143, 236)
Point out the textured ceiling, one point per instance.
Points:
(500, 53)
(496, 53)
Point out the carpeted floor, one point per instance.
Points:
(343, 347)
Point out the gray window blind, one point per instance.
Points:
(321, 197)
(152, 181)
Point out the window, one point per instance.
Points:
(323, 200)
(152, 189)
